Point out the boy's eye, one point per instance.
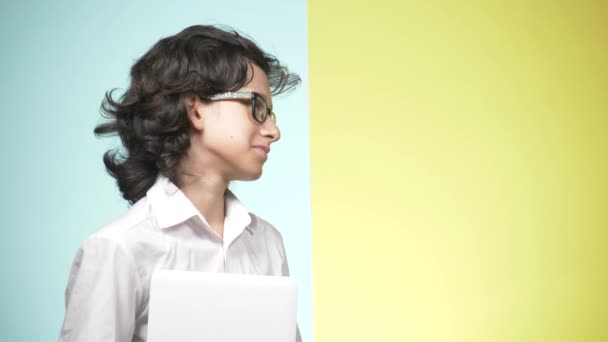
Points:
(260, 109)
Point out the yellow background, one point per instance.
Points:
(459, 170)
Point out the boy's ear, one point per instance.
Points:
(194, 109)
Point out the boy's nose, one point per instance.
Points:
(271, 130)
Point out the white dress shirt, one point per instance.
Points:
(108, 288)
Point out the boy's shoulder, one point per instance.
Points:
(265, 229)
(121, 226)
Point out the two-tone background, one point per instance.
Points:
(442, 174)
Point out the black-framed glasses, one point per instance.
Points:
(259, 109)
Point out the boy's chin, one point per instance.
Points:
(250, 176)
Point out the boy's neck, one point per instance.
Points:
(207, 195)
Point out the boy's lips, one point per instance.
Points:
(264, 148)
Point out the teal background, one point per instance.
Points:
(57, 60)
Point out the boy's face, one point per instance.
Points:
(230, 142)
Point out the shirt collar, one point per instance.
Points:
(171, 206)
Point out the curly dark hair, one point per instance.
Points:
(151, 118)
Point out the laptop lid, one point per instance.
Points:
(190, 306)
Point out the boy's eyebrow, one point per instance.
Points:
(270, 104)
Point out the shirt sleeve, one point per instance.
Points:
(101, 295)
(286, 274)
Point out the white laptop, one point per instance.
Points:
(221, 307)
